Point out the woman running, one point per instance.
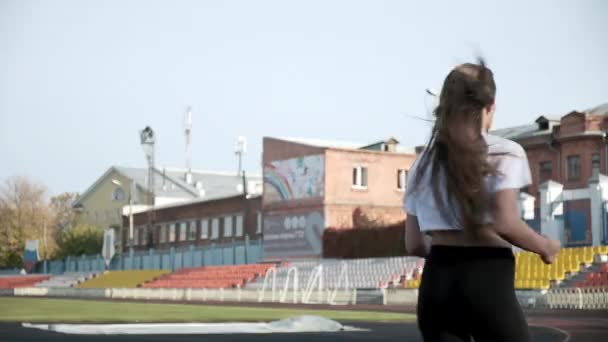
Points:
(463, 217)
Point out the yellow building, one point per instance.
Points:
(105, 202)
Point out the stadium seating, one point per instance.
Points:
(532, 273)
(68, 279)
(12, 282)
(210, 277)
(122, 279)
(595, 279)
(369, 273)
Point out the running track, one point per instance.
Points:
(544, 327)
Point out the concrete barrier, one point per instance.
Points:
(31, 291)
(400, 296)
(7, 292)
(77, 293)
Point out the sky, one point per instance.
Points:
(79, 79)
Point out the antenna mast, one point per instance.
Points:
(240, 147)
(187, 134)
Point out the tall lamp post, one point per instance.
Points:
(130, 201)
(147, 140)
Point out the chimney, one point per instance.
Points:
(188, 177)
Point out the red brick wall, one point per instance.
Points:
(572, 123)
(275, 149)
(382, 200)
(585, 147)
(209, 209)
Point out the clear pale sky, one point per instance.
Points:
(78, 79)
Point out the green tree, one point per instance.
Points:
(80, 239)
(24, 214)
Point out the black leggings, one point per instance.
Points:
(468, 292)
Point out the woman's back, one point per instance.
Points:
(512, 171)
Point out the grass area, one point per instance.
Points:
(72, 311)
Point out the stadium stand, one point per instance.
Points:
(68, 279)
(371, 273)
(532, 273)
(11, 282)
(598, 278)
(122, 279)
(210, 277)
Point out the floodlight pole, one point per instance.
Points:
(147, 140)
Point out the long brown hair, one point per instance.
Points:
(457, 151)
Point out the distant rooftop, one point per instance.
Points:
(343, 144)
(171, 183)
(599, 110)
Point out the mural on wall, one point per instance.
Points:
(577, 222)
(293, 235)
(293, 179)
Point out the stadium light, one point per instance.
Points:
(129, 198)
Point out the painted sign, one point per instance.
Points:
(30, 256)
(293, 179)
(293, 235)
(108, 249)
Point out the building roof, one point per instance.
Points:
(519, 132)
(601, 110)
(171, 183)
(345, 144)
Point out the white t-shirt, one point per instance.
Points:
(513, 173)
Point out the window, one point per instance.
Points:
(135, 241)
(118, 194)
(163, 234)
(160, 238)
(143, 236)
(360, 177)
(258, 229)
(228, 221)
(172, 232)
(204, 229)
(595, 161)
(574, 167)
(401, 179)
(545, 171)
(192, 231)
(238, 226)
(183, 231)
(215, 228)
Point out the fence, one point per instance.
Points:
(555, 299)
(235, 253)
(191, 295)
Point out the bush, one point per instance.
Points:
(82, 239)
(364, 242)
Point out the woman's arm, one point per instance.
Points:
(509, 225)
(415, 242)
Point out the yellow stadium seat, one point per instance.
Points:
(603, 249)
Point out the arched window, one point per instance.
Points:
(118, 194)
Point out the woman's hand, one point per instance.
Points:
(551, 251)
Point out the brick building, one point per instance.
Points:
(198, 223)
(565, 150)
(566, 157)
(311, 185)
